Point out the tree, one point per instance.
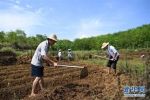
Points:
(2, 37)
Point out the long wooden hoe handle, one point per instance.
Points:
(99, 56)
(70, 66)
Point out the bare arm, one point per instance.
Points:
(114, 56)
(47, 59)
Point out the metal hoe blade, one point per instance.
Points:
(84, 73)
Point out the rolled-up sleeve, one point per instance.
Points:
(113, 49)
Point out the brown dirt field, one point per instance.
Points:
(60, 83)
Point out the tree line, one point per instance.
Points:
(130, 39)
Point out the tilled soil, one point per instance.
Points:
(61, 83)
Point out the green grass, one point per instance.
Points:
(14, 52)
(8, 49)
(98, 62)
(122, 65)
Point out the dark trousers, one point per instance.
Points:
(112, 63)
(36, 71)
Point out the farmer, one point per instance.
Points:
(59, 55)
(142, 56)
(113, 55)
(37, 59)
(69, 54)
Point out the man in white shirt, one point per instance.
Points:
(69, 54)
(59, 55)
(36, 63)
(113, 54)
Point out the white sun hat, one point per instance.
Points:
(53, 37)
(104, 45)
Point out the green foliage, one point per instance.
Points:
(8, 49)
(63, 45)
(13, 51)
(2, 37)
(17, 39)
(130, 39)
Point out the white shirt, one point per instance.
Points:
(40, 51)
(59, 54)
(111, 51)
(69, 54)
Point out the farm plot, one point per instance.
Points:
(61, 83)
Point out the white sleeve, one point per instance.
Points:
(44, 50)
(113, 49)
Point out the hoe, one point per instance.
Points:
(84, 71)
(90, 56)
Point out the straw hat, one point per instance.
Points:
(53, 37)
(69, 49)
(59, 49)
(104, 45)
